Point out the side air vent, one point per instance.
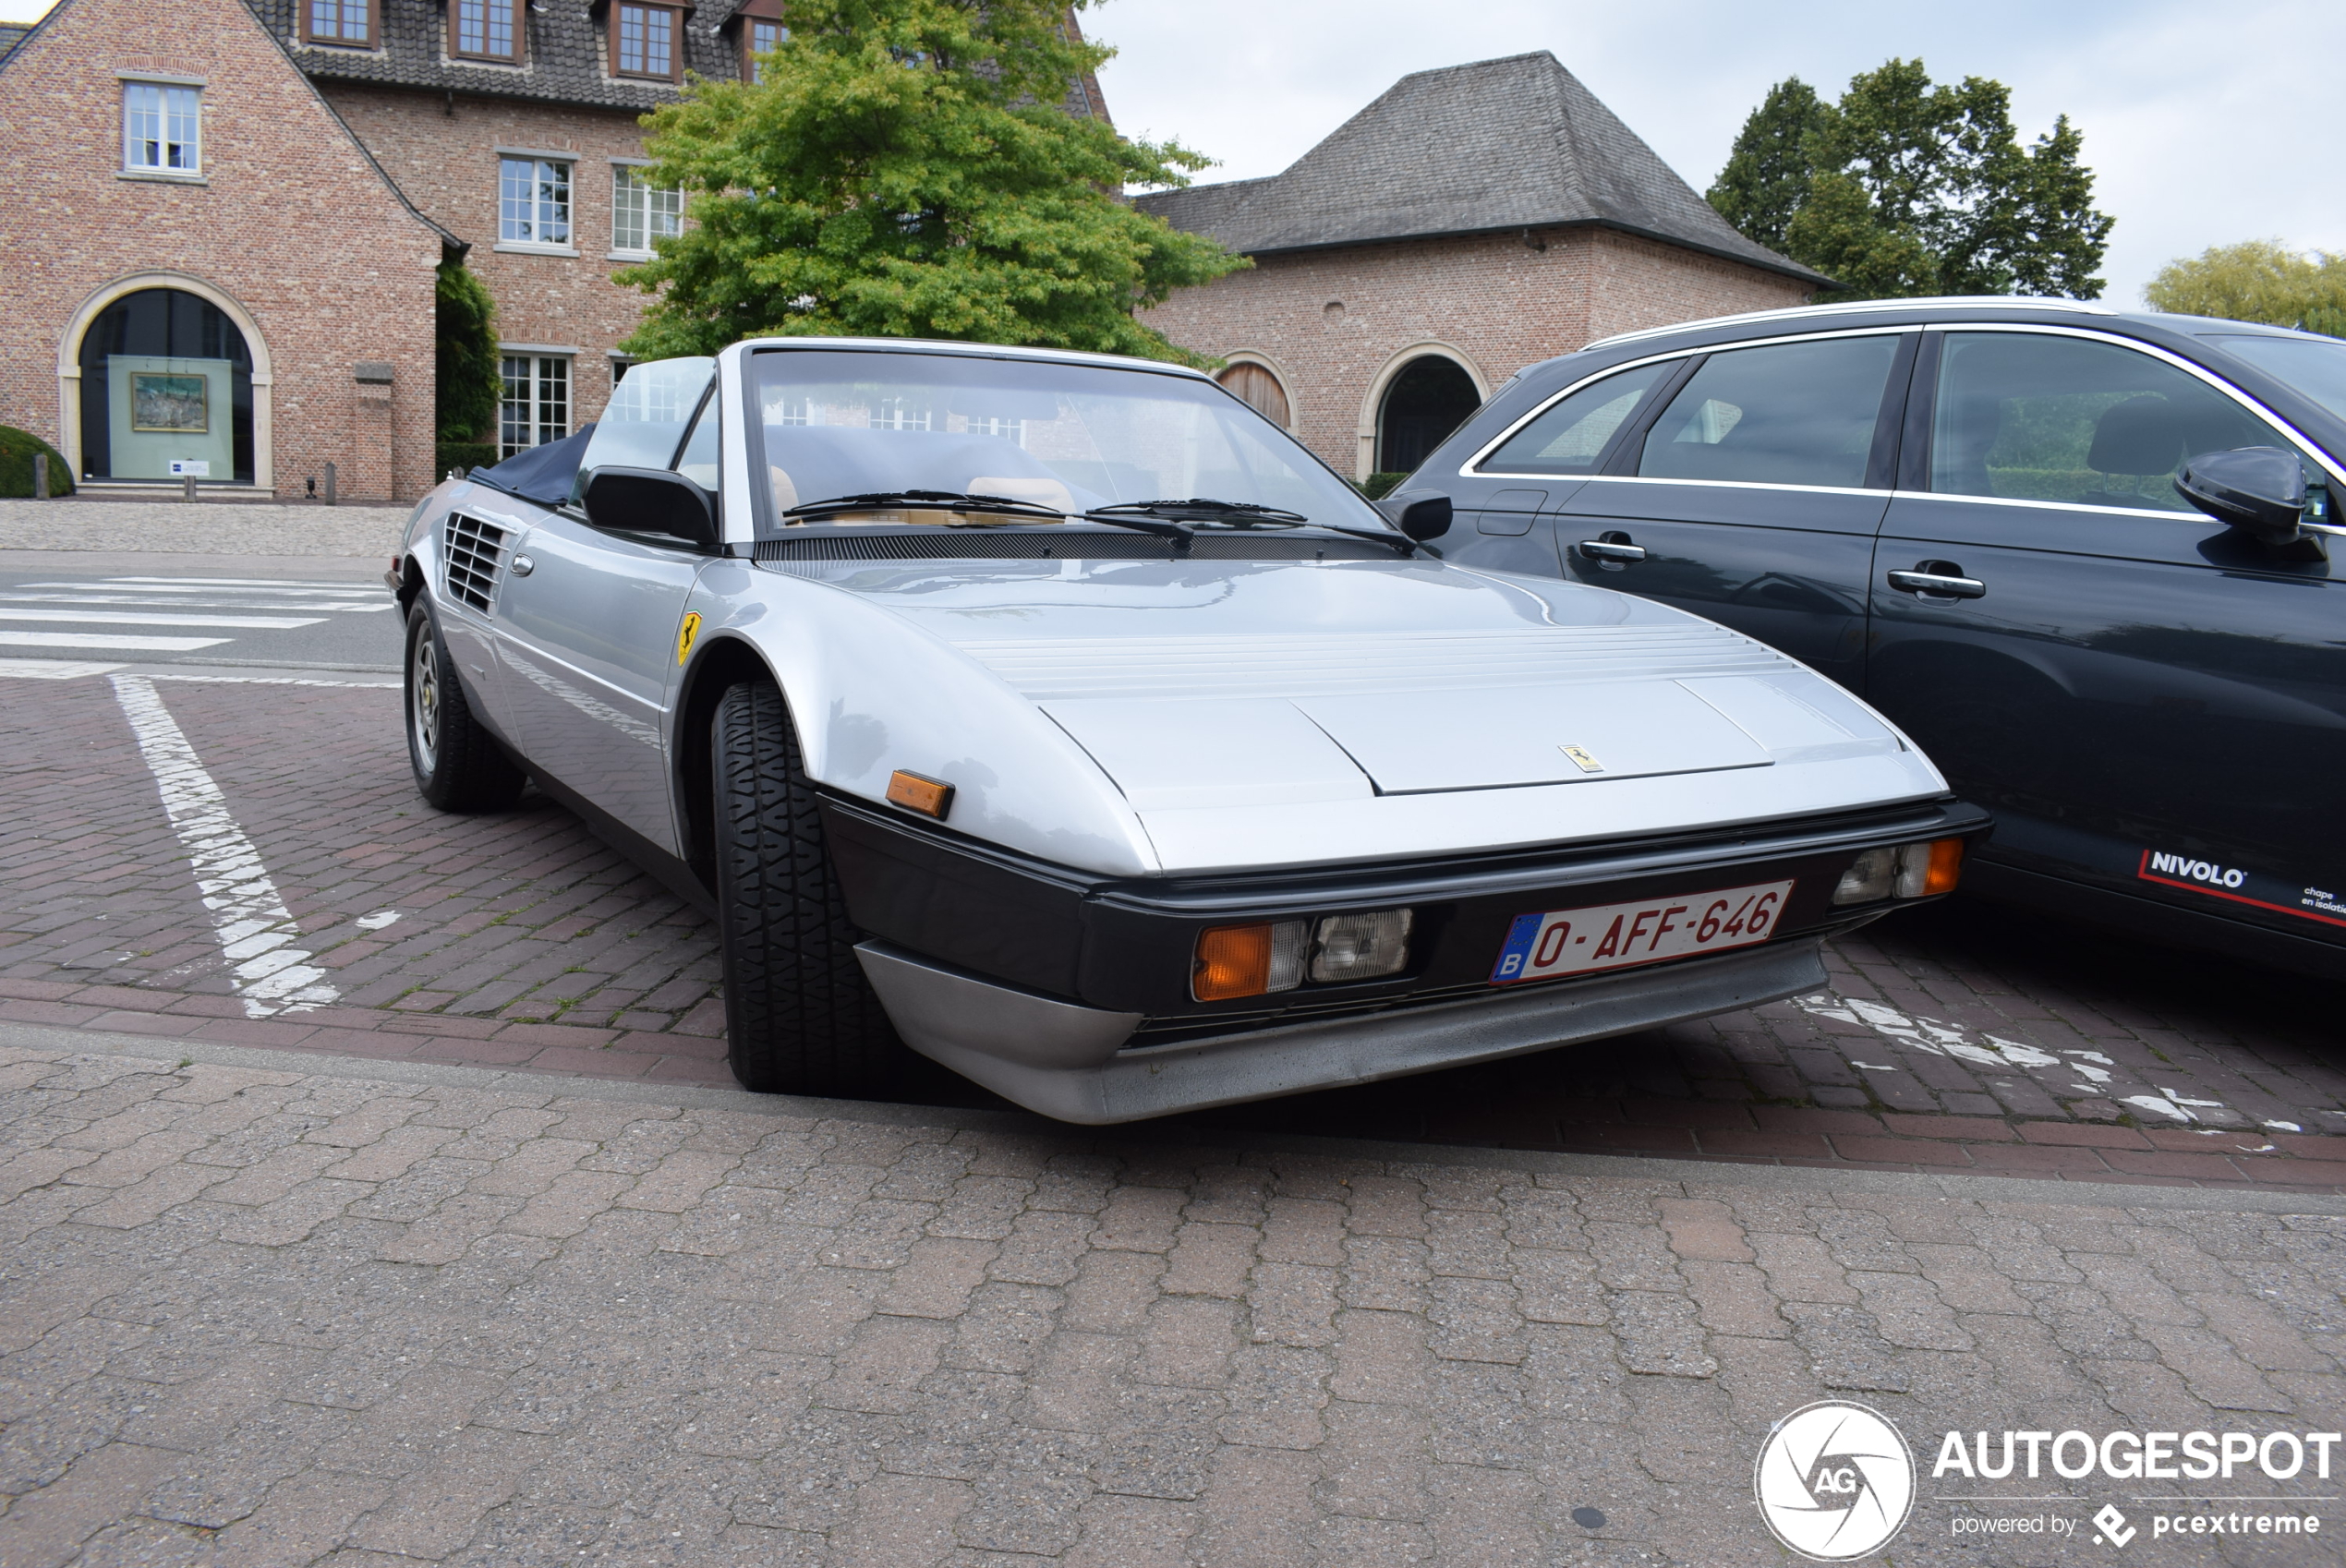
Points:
(475, 553)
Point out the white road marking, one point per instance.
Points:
(123, 617)
(389, 683)
(52, 669)
(106, 640)
(253, 925)
(376, 920)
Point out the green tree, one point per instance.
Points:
(464, 400)
(1916, 188)
(2258, 280)
(906, 170)
(1768, 172)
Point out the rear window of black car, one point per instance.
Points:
(1781, 414)
(1571, 435)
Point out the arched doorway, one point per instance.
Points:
(1430, 398)
(166, 378)
(1255, 386)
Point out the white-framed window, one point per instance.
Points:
(533, 201)
(161, 129)
(1009, 429)
(899, 413)
(642, 212)
(536, 405)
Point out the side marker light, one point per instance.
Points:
(930, 797)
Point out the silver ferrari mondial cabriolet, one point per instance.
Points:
(1062, 718)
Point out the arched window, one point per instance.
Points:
(1259, 389)
(166, 379)
(1430, 398)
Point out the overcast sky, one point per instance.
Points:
(2204, 124)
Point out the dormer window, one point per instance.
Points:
(647, 40)
(349, 24)
(761, 33)
(485, 30)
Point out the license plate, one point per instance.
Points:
(1541, 946)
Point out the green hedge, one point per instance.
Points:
(17, 450)
(467, 455)
(1380, 484)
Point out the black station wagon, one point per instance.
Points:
(2083, 557)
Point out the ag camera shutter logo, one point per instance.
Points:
(1834, 1481)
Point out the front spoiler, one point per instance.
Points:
(1064, 1061)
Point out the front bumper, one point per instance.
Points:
(1071, 1062)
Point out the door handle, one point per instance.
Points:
(1612, 549)
(524, 566)
(1939, 580)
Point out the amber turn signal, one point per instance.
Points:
(930, 797)
(1946, 867)
(1247, 961)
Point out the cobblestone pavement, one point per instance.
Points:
(1951, 1039)
(259, 528)
(385, 1315)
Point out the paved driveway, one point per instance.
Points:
(348, 917)
(385, 1315)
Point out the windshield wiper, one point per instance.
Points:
(940, 500)
(1250, 514)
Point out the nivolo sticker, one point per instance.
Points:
(2198, 871)
(2235, 886)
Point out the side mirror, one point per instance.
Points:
(651, 500)
(2258, 489)
(1421, 514)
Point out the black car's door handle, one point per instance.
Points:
(1951, 585)
(1608, 549)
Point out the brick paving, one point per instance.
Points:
(1959, 1038)
(248, 529)
(386, 1314)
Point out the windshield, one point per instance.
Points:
(1069, 438)
(2314, 366)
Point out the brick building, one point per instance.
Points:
(223, 233)
(1471, 220)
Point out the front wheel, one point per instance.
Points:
(799, 1017)
(459, 767)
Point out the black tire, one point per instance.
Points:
(800, 1018)
(459, 765)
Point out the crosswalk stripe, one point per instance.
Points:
(106, 640)
(117, 618)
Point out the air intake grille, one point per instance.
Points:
(474, 551)
(1063, 544)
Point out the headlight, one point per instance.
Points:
(1909, 871)
(1255, 961)
(1361, 946)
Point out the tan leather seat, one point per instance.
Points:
(1043, 492)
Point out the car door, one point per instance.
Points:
(2149, 701)
(590, 628)
(1749, 491)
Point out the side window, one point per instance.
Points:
(1570, 437)
(2034, 416)
(1787, 413)
(698, 462)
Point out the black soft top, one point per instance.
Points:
(543, 474)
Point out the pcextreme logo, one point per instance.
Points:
(1835, 1480)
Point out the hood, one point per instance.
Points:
(1220, 684)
